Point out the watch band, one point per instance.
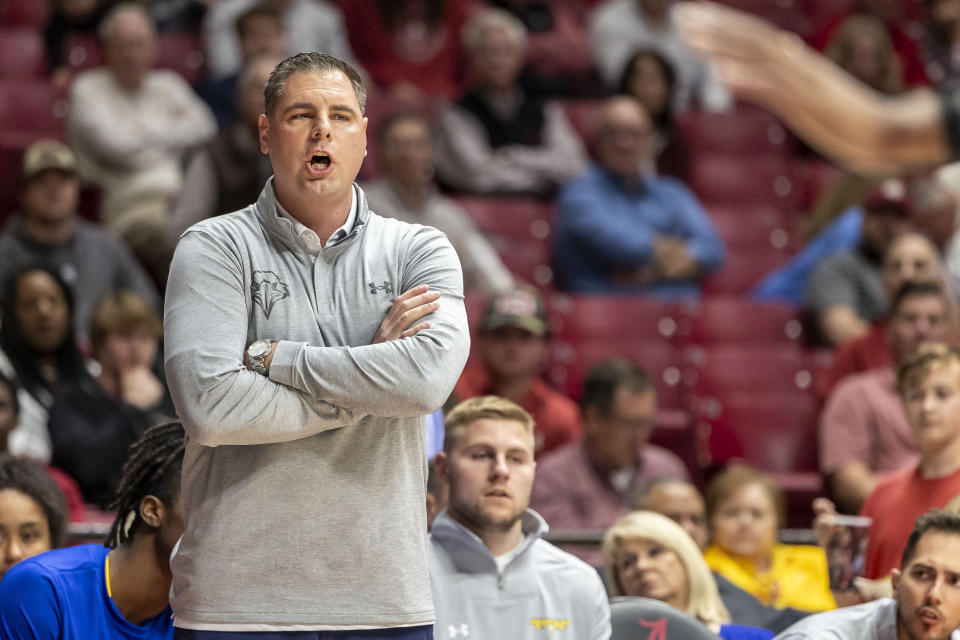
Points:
(258, 352)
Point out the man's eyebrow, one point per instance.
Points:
(300, 105)
(343, 107)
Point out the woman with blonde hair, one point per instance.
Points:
(648, 555)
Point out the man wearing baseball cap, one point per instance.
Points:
(47, 230)
(512, 344)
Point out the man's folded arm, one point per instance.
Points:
(218, 400)
(408, 377)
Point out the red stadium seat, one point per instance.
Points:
(786, 14)
(528, 261)
(520, 219)
(82, 53)
(570, 361)
(31, 109)
(774, 432)
(724, 179)
(582, 115)
(183, 53)
(753, 229)
(740, 131)
(717, 320)
(742, 271)
(715, 370)
(25, 13)
(623, 319)
(21, 53)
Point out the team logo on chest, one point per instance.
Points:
(266, 289)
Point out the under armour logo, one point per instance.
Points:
(454, 631)
(386, 287)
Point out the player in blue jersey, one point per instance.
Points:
(119, 590)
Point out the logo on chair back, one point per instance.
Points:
(658, 628)
(385, 286)
(267, 289)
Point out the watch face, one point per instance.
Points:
(259, 348)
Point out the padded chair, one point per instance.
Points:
(528, 261)
(516, 218)
(751, 179)
(715, 370)
(82, 52)
(612, 318)
(648, 619)
(25, 13)
(183, 53)
(723, 319)
(21, 53)
(570, 361)
(751, 230)
(30, 109)
(740, 131)
(742, 271)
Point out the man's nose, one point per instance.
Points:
(935, 593)
(500, 467)
(321, 128)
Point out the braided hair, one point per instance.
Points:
(153, 468)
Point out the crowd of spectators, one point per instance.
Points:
(593, 176)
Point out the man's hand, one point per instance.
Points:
(672, 261)
(139, 387)
(406, 310)
(823, 521)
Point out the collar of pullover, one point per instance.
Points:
(468, 550)
(283, 230)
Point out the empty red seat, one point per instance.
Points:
(718, 370)
(183, 53)
(756, 230)
(31, 109)
(739, 131)
(25, 13)
(742, 271)
(725, 179)
(582, 115)
(774, 432)
(527, 260)
(570, 361)
(786, 14)
(516, 218)
(718, 320)
(21, 53)
(82, 52)
(585, 317)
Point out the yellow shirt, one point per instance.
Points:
(799, 572)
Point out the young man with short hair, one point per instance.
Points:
(929, 385)
(120, 589)
(491, 573)
(926, 593)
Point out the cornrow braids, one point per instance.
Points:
(153, 468)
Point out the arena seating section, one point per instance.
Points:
(733, 376)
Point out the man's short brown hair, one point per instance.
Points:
(918, 365)
(123, 311)
(479, 408)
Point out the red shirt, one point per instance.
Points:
(867, 352)
(556, 416)
(894, 504)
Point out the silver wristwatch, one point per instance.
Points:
(258, 352)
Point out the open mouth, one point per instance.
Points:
(319, 161)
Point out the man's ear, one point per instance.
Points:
(263, 124)
(440, 464)
(152, 511)
(895, 576)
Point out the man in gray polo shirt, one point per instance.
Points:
(926, 593)
(305, 470)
